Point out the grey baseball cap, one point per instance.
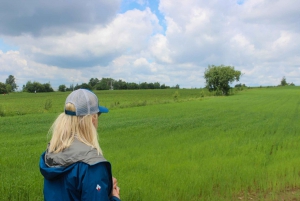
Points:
(85, 102)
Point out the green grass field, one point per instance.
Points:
(239, 147)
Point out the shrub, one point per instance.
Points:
(176, 96)
(48, 104)
(1, 112)
(202, 94)
(218, 92)
(62, 88)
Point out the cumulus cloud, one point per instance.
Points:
(127, 33)
(251, 35)
(274, 13)
(47, 17)
(12, 63)
(260, 38)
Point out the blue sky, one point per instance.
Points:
(240, 2)
(166, 41)
(142, 5)
(4, 47)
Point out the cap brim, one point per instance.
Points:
(103, 109)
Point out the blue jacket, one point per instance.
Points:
(77, 173)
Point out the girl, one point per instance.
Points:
(73, 165)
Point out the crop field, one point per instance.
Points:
(170, 144)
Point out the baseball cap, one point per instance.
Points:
(85, 102)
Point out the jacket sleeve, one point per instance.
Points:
(97, 183)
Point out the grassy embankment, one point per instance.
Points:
(239, 147)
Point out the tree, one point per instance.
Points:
(8, 88)
(62, 88)
(48, 87)
(120, 84)
(93, 82)
(11, 80)
(86, 86)
(218, 78)
(77, 87)
(156, 85)
(144, 85)
(83, 86)
(177, 86)
(132, 85)
(106, 83)
(71, 88)
(150, 85)
(2, 88)
(33, 87)
(283, 82)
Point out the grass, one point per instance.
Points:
(40, 103)
(241, 147)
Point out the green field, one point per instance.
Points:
(162, 147)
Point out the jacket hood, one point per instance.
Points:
(51, 172)
(55, 164)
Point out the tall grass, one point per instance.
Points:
(241, 147)
(40, 103)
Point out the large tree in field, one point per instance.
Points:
(283, 82)
(218, 78)
(2, 88)
(11, 80)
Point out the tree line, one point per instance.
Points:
(11, 86)
(93, 84)
(217, 78)
(34, 87)
(111, 84)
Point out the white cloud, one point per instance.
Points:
(159, 49)
(128, 33)
(41, 18)
(217, 32)
(12, 63)
(260, 38)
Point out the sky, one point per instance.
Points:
(167, 41)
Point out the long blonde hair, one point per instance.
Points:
(66, 127)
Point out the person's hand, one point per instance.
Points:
(116, 190)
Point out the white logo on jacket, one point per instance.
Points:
(98, 187)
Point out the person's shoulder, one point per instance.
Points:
(101, 165)
(101, 170)
(85, 153)
(76, 152)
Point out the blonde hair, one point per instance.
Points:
(66, 127)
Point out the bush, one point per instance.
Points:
(34, 87)
(218, 92)
(1, 112)
(2, 88)
(62, 88)
(48, 104)
(176, 96)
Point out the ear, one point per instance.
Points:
(95, 119)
